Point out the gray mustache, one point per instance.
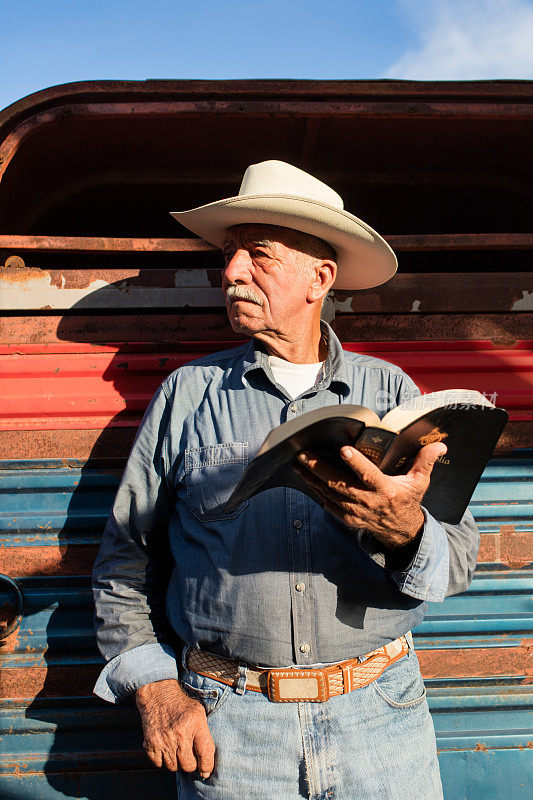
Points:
(242, 293)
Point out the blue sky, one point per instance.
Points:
(59, 41)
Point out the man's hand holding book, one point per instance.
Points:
(386, 505)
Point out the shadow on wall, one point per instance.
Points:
(95, 748)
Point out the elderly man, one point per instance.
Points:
(269, 648)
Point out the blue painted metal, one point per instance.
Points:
(72, 746)
(493, 612)
(52, 498)
(64, 747)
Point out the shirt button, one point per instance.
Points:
(297, 523)
(304, 648)
(294, 409)
(300, 587)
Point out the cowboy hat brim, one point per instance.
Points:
(364, 259)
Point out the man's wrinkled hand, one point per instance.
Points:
(175, 728)
(387, 506)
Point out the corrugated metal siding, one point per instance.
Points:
(90, 326)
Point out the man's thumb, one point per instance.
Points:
(425, 460)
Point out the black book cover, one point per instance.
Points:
(470, 434)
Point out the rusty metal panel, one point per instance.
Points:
(501, 329)
(428, 243)
(138, 303)
(112, 445)
(187, 328)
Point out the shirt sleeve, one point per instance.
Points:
(132, 568)
(126, 673)
(445, 559)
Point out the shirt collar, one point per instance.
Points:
(334, 366)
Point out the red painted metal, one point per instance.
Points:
(101, 386)
(519, 353)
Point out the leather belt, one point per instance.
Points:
(294, 685)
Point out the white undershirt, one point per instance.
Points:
(295, 378)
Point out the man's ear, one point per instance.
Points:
(323, 276)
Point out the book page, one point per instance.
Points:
(407, 412)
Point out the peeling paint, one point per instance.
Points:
(344, 306)
(525, 303)
(38, 292)
(328, 308)
(32, 288)
(32, 279)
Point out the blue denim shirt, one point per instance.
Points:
(278, 581)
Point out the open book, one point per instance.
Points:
(467, 423)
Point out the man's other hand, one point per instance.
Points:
(387, 506)
(175, 728)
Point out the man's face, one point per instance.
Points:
(265, 281)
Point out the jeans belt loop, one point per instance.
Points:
(240, 688)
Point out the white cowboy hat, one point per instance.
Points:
(276, 193)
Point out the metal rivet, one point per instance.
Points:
(304, 648)
(300, 587)
(15, 262)
(297, 523)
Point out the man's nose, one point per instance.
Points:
(237, 269)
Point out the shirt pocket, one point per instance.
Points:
(211, 474)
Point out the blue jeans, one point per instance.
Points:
(375, 743)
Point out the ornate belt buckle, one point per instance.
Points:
(297, 686)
